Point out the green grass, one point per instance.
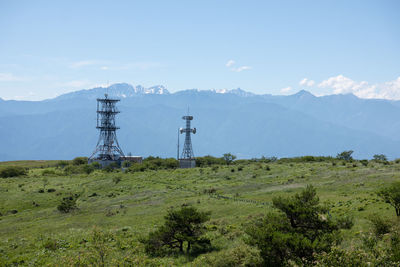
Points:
(136, 205)
(30, 163)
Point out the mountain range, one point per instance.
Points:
(245, 124)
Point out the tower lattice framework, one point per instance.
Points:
(187, 152)
(107, 147)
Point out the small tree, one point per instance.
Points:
(182, 227)
(380, 157)
(345, 155)
(391, 195)
(302, 229)
(229, 158)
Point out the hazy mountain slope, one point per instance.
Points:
(244, 124)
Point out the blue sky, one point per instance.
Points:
(279, 47)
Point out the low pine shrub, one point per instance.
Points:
(68, 204)
(12, 171)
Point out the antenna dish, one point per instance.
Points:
(194, 130)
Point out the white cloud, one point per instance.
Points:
(242, 68)
(307, 82)
(9, 77)
(286, 90)
(230, 63)
(344, 85)
(104, 68)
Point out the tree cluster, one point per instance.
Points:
(301, 229)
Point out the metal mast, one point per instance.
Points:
(187, 159)
(107, 148)
(187, 152)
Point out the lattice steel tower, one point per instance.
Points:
(187, 159)
(107, 148)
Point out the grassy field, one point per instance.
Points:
(129, 205)
(30, 163)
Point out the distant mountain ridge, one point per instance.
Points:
(245, 124)
(121, 90)
(124, 90)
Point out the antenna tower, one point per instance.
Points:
(187, 159)
(107, 148)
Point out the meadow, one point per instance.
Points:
(116, 209)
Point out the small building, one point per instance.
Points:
(187, 163)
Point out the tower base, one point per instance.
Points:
(187, 163)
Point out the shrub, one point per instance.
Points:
(182, 228)
(239, 255)
(99, 241)
(12, 171)
(380, 225)
(126, 164)
(48, 172)
(68, 204)
(80, 160)
(62, 163)
(229, 158)
(116, 179)
(345, 222)
(70, 169)
(380, 157)
(96, 165)
(391, 195)
(297, 233)
(88, 169)
(345, 155)
(110, 167)
(209, 161)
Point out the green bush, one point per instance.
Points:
(239, 255)
(345, 155)
(88, 169)
(48, 172)
(12, 171)
(80, 160)
(380, 225)
(96, 165)
(229, 158)
(391, 195)
(345, 222)
(116, 179)
(380, 158)
(182, 229)
(62, 164)
(68, 204)
(301, 229)
(207, 161)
